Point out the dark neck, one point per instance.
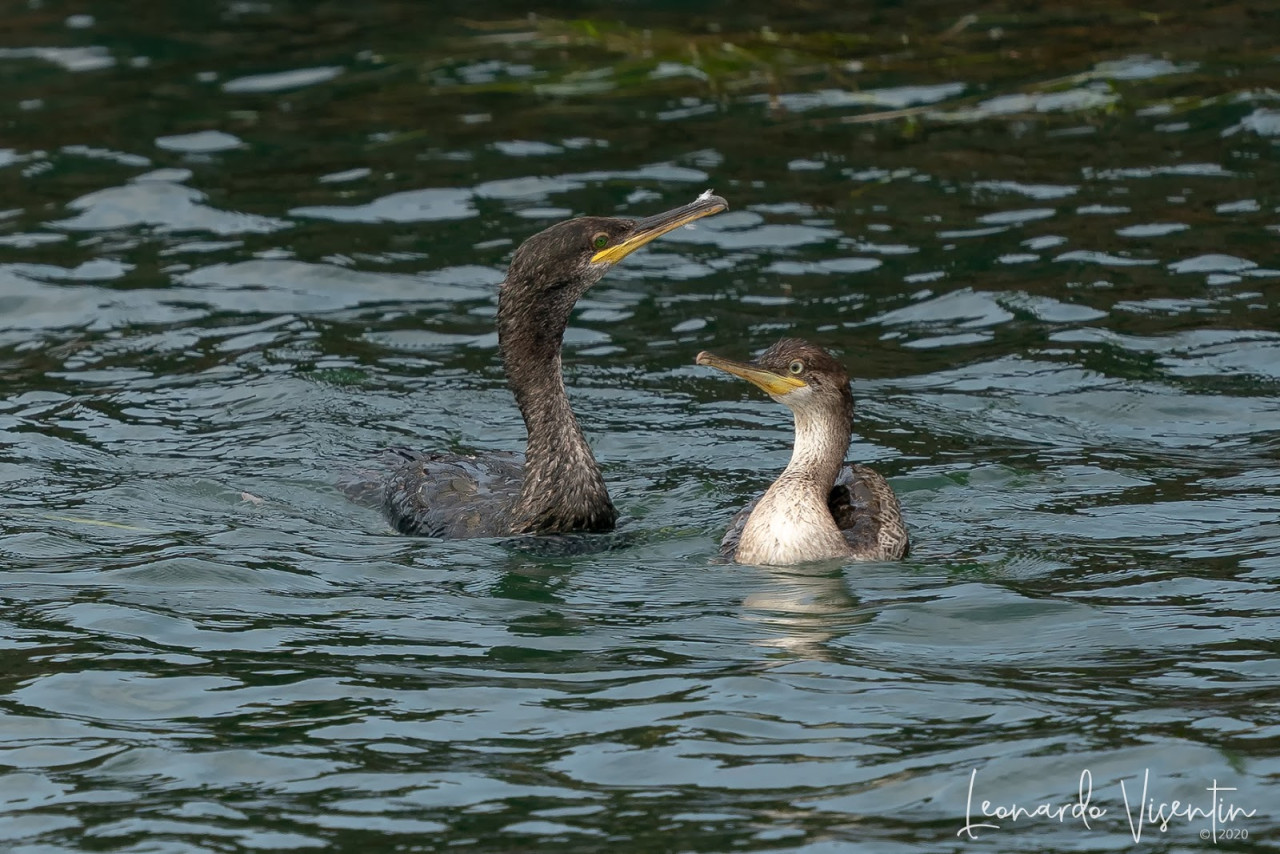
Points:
(563, 489)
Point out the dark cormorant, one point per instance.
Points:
(820, 507)
(557, 487)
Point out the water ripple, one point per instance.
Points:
(236, 265)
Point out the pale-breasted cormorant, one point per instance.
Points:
(820, 507)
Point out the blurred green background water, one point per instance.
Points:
(244, 245)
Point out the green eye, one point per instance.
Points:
(797, 367)
(600, 241)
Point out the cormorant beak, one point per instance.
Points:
(774, 384)
(651, 228)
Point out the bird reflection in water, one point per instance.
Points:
(801, 609)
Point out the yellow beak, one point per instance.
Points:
(651, 228)
(775, 384)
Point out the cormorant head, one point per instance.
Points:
(560, 263)
(801, 375)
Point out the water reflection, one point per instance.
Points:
(802, 609)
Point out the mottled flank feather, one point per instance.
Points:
(460, 496)
(440, 494)
(453, 495)
(868, 514)
(729, 544)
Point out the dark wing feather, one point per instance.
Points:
(443, 495)
(729, 545)
(867, 512)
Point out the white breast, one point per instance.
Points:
(782, 532)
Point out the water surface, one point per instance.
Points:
(245, 245)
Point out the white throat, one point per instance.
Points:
(791, 523)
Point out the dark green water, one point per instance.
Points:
(245, 245)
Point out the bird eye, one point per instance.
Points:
(600, 241)
(797, 367)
